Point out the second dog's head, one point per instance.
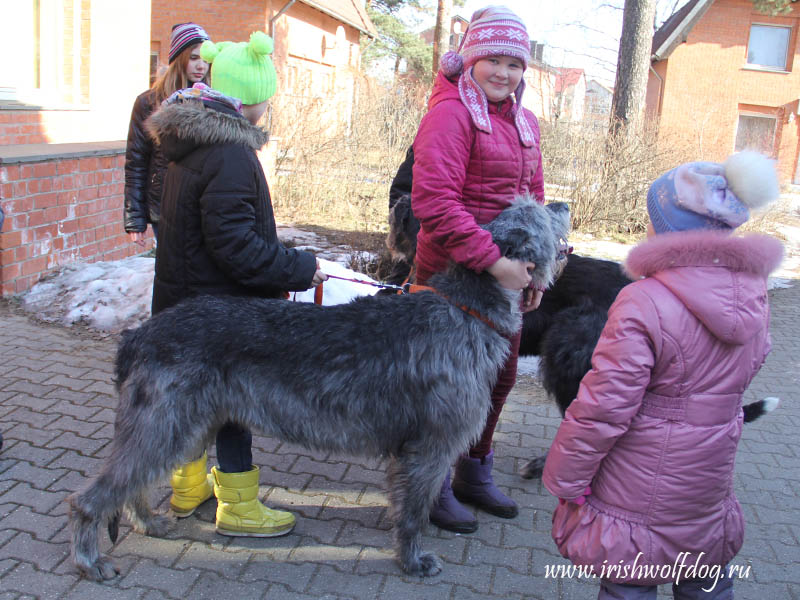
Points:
(531, 232)
(403, 230)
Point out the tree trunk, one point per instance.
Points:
(633, 64)
(441, 35)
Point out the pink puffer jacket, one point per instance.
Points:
(463, 178)
(656, 422)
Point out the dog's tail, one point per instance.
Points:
(127, 353)
(566, 350)
(754, 410)
(113, 527)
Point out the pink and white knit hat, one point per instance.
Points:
(185, 35)
(492, 31)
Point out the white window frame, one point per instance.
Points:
(760, 67)
(751, 114)
(18, 80)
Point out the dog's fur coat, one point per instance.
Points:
(408, 377)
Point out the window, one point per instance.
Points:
(51, 41)
(756, 132)
(768, 46)
(153, 67)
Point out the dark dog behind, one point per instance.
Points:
(563, 331)
(406, 377)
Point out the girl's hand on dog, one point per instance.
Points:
(512, 274)
(531, 299)
(319, 276)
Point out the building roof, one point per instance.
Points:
(593, 83)
(350, 12)
(675, 30)
(567, 78)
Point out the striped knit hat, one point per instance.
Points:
(492, 31)
(183, 36)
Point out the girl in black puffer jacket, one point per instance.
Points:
(144, 162)
(218, 237)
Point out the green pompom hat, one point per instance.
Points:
(243, 70)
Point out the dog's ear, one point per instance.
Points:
(513, 239)
(559, 211)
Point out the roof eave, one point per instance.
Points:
(678, 34)
(363, 28)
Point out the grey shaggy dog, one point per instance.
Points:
(405, 377)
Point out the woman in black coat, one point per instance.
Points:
(144, 162)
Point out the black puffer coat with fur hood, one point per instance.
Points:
(217, 230)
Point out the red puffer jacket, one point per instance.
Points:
(464, 177)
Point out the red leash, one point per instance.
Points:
(318, 290)
(407, 288)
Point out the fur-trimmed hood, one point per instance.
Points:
(180, 128)
(754, 253)
(720, 278)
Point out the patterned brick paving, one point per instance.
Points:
(56, 415)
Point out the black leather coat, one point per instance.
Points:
(144, 169)
(217, 230)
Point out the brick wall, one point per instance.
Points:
(222, 20)
(21, 127)
(59, 211)
(62, 210)
(707, 84)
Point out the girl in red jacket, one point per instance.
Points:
(644, 458)
(476, 150)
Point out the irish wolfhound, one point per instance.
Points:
(407, 377)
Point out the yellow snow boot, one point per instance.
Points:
(239, 512)
(191, 486)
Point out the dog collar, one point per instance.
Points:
(413, 288)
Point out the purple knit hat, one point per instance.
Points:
(492, 31)
(183, 36)
(707, 195)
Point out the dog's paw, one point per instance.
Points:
(158, 526)
(533, 469)
(427, 565)
(101, 569)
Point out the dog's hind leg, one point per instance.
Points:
(143, 519)
(87, 510)
(533, 468)
(412, 487)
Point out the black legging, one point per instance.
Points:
(234, 448)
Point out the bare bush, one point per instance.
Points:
(335, 161)
(605, 179)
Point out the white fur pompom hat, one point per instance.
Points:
(706, 195)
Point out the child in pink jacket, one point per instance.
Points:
(476, 150)
(644, 458)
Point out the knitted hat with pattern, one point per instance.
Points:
(707, 195)
(243, 70)
(492, 31)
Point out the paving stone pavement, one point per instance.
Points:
(56, 415)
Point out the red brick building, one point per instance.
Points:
(725, 77)
(66, 98)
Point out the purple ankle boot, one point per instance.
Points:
(473, 484)
(448, 514)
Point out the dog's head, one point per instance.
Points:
(530, 232)
(403, 229)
